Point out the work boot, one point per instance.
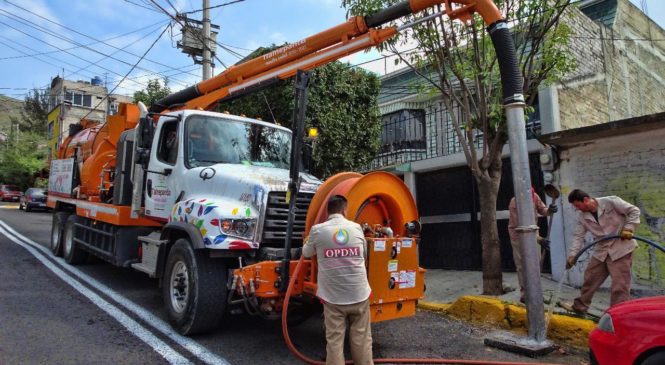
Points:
(571, 307)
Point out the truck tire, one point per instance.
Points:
(57, 232)
(194, 289)
(71, 251)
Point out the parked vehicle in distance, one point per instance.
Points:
(34, 198)
(10, 193)
(630, 333)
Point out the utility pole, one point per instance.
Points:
(207, 64)
(199, 39)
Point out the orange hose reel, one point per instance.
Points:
(376, 200)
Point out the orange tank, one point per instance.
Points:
(94, 149)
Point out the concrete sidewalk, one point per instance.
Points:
(457, 294)
(445, 286)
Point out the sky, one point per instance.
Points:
(41, 39)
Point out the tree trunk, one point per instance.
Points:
(488, 189)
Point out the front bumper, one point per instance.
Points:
(607, 349)
(37, 205)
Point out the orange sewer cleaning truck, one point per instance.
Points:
(213, 205)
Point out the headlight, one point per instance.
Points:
(242, 228)
(605, 323)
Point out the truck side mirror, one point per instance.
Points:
(145, 133)
(143, 157)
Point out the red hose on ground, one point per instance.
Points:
(305, 359)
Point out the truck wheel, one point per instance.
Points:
(57, 230)
(194, 289)
(73, 254)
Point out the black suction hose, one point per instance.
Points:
(603, 239)
(511, 76)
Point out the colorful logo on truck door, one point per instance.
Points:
(341, 237)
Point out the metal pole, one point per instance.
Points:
(207, 65)
(527, 229)
(298, 128)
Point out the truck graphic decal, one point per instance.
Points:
(205, 215)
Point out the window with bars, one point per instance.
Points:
(403, 130)
(416, 134)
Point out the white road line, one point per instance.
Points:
(192, 346)
(134, 327)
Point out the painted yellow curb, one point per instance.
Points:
(494, 312)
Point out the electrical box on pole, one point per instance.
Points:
(192, 41)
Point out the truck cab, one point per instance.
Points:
(225, 175)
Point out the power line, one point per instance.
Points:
(89, 44)
(47, 62)
(222, 46)
(183, 25)
(150, 72)
(69, 53)
(128, 72)
(236, 47)
(128, 45)
(85, 35)
(213, 7)
(172, 7)
(143, 6)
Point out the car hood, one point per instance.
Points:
(225, 178)
(642, 304)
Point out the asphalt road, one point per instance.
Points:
(53, 313)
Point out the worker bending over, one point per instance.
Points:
(604, 216)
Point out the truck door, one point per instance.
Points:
(161, 178)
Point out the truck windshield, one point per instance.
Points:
(210, 140)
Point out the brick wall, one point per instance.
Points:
(620, 72)
(633, 168)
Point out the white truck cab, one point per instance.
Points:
(226, 175)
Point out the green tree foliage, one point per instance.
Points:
(34, 114)
(457, 62)
(342, 105)
(22, 158)
(153, 92)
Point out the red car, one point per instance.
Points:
(10, 193)
(630, 333)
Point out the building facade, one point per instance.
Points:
(615, 59)
(625, 158)
(70, 101)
